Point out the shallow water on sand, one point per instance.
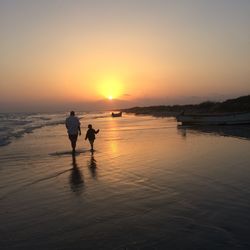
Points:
(148, 185)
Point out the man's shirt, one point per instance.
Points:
(72, 124)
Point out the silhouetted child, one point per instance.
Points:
(90, 135)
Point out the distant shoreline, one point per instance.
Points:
(240, 104)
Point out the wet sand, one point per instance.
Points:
(148, 185)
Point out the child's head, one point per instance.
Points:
(90, 126)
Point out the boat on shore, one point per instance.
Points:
(214, 119)
(116, 114)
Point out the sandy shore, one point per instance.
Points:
(148, 185)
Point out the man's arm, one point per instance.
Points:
(79, 127)
(66, 124)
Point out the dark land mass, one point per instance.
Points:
(240, 104)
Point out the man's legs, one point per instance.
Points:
(73, 139)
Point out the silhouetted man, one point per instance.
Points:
(73, 126)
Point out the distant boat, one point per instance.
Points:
(214, 119)
(116, 114)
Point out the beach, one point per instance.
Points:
(149, 184)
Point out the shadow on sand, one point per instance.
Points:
(92, 166)
(76, 177)
(237, 131)
(63, 153)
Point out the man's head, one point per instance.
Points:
(72, 113)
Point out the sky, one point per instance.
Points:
(61, 54)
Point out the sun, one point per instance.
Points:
(110, 87)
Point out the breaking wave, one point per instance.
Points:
(15, 125)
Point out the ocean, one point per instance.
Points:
(149, 184)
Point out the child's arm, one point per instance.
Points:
(97, 131)
(86, 137)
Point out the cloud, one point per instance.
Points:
(126, 95)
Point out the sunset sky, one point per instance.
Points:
(61, 52)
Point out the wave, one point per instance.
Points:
(14, 125)
(29, 130)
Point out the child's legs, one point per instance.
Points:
(91, 144)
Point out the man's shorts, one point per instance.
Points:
(73, 137)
